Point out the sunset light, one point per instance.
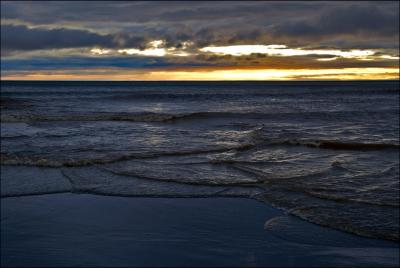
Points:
(200, 134)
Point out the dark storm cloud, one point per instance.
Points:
(257, 61)
(49, 63)
(40, 12)
(292, 23)
(344, 20)
(216, 22)
(253, 61)
(19, 37)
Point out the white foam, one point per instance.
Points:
(94, 180)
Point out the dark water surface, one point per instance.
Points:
(327, 152)
(82, 230)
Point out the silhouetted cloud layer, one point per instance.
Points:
(40, 34)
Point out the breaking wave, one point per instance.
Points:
(167, 117)
(13, 159)
(146, 117)
(299, 148)
(337, 145)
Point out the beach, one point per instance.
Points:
(89, 230)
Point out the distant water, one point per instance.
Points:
(327, 152)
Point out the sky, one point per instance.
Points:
(199, 40)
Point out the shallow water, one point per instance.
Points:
(324, 151)
(92, 231)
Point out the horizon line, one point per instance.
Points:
(311, 80)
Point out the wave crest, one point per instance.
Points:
(12, 159)
(337, 145)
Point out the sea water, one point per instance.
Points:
(327, 152)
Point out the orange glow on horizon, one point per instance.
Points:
(209, 74)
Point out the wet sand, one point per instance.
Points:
(89, 230)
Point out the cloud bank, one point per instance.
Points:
(43, 35)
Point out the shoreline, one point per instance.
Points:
(68, 229)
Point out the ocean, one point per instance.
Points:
(327, 152)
